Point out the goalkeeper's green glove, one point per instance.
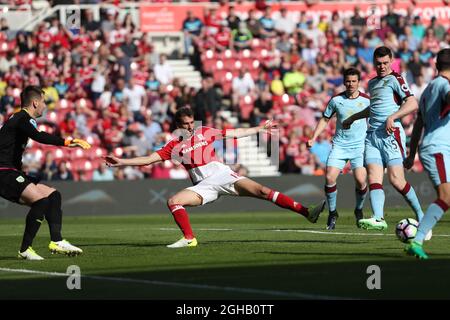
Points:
(72, 143)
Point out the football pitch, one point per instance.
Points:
(250, 255)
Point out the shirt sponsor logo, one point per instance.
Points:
(195, 146)
(20, 179)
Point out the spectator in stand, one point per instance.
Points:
(314, 34)
(192, 29)
(321, 149)
(413, 42)
(103, 173)
(222, 38)
(365, 53)
(135, 98)
(439, 30)
(163, 70)
(63, 173)
(415, 65)
(49, 168)
(160, 107)
(122, 64)
(276, 85)
(294, 80)
(61, 86)
(6, 62)
(108, 25)
(93, 27)
(302, 160)
(253, 24)
(357, 20)
(241, 37)
(418, 87)
(139, 141)
(129, 48)
(268, 25)
(232, 19)
(242, 85)
(284, 24)
(150, 128)
(418, 29)
(263, 105)
(178, 172)
(212, 21)
(284, 43)
(391, 17)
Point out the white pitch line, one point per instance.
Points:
(348, 233)
(180, 284)
(303, 231)
(333, 232)
(201, 229)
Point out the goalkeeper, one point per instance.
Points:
(15, 186)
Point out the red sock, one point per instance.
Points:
(182, 219)
(286, 202)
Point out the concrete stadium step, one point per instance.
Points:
(183, 70)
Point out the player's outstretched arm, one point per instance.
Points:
(406, 108)
(112, 161)
(360, 115)
(318, 130)
(415, 137)
(245, 132)
(29, 128)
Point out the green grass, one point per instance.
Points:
(249, 260)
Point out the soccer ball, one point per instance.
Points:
(406, 229)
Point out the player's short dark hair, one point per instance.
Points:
(352, 72)
(382, 52)
(443, 60)
(29, 94)
(183, 112)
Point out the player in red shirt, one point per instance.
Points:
(193, 147)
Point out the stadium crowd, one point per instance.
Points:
(106, 84)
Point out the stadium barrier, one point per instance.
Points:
(149, 196)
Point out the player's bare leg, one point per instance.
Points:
(397, 179)
(360, 175)
(249, 188)
(176, 205)
(375, 174)
(331, 194)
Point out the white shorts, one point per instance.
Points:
(216, 185)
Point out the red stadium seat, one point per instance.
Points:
(95, 153)
(229, 64)
(77, 154)
(228, 54)
(220, 76)
(81, 165)
(246, 106)
(226, 87)
(209, 65)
